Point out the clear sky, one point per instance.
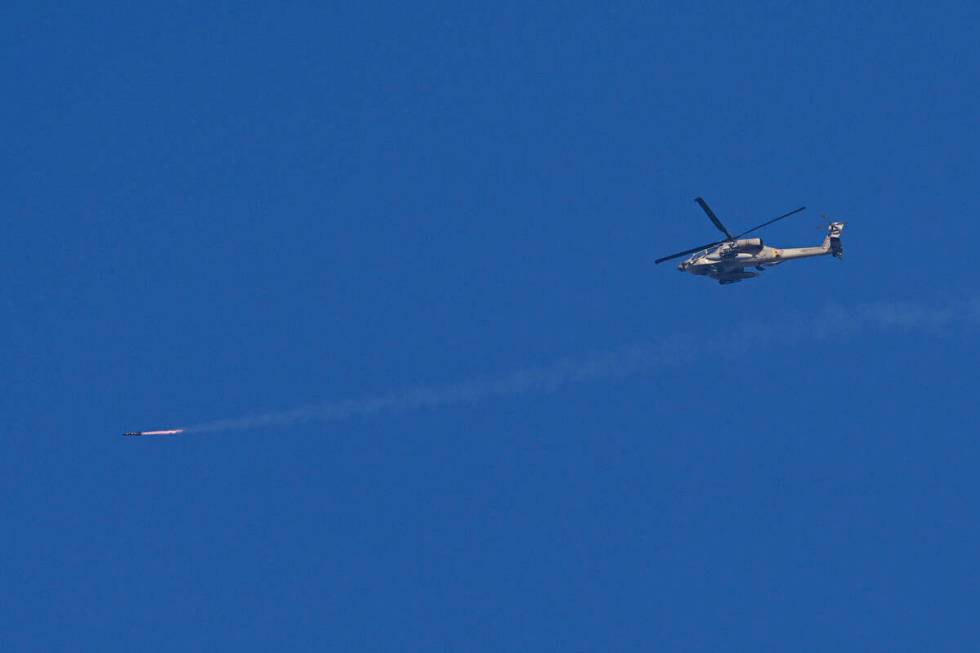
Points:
(244, 208)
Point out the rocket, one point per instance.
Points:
(166, 432)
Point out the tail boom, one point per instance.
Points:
(831, 245)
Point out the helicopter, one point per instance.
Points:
(726, 260)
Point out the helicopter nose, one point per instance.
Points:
(682, 266)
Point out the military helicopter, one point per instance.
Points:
(726, 260)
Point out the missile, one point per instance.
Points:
(167, 432)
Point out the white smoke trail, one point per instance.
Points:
(834, 322)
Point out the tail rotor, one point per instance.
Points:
(833, 238)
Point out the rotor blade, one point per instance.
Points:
(714, 218)
(764, 224)
(688, 251)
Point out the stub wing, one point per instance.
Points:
(734, 276)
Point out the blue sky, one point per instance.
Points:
(222, 211)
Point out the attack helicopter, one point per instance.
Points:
(726, 260)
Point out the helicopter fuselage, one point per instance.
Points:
(727, 262)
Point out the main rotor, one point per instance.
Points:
(728, 236)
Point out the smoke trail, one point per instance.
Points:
(834, 322)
